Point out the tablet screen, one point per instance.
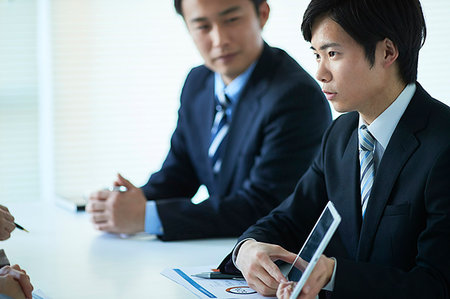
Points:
(314, 246)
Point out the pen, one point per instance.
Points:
(216, 275)
(20, 227)
(117, 188)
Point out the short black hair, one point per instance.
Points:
(177, 4)
(371, 21)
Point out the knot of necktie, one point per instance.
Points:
(223, 102)
(366, 140)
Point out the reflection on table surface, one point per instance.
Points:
(67, 258)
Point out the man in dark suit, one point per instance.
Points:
(250, 122)
(385, 165)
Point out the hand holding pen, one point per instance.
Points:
(7, 224)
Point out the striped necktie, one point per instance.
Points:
(219, 131)
(366, 147)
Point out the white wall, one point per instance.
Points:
(116, 70)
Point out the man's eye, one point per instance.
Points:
(202, 27)
(332, 53)
(231, 20)
(316, 55)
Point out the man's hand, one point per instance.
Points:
(6, 223)
(319, 278)
(118, 212)
(256, 262)
(15, 282)
(285, 289)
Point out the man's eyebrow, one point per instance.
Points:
(221, 14)
(199, 19)
(229, 10)
(326, 46)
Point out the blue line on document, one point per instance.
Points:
(194, 284)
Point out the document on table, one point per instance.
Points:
(39, 294)
(210, 288)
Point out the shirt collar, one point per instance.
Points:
(384, 125)
(236, 87)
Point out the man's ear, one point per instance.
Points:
(390, 52)
(264, 11)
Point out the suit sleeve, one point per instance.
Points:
(291, 135)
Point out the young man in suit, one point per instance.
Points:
(385, 165)
(250, 122)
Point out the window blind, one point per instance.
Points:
(19, 165)
(119, 67)
(117, 71)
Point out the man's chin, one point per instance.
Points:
(340, 108)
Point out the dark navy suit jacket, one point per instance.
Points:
(274, 135)
(402, 248)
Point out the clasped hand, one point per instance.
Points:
(118, 212)
(15, 282)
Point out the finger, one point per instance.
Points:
(9, 226)
(5, 270)
(263, 288)
(285, 256)
(6, 215)
(285, 289)
(276, 253)
(94, 206)
(124, 182)
(318, 279)
(23, 279)
(4, 234)
(15, 267)
(105, 227)
(26, 285)
(269, 281)
(98, 218)
(301, 264)
(273, 270)
(99, 195)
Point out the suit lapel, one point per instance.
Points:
(203, 122)
(349, 205)
(402, 145)
(243, 115)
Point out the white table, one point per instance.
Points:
(66, 258)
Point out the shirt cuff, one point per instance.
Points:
(236, 251)
(330, 284)
(152, 221)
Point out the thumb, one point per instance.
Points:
(124, 182)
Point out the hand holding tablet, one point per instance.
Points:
(256, 259)
(313, 248)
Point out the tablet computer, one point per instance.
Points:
(313, 247)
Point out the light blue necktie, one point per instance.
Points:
(366, 147)
(219, 132)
